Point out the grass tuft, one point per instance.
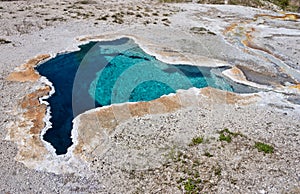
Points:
(224, 137)
(196, 141)
(191, 185)
(262, 147)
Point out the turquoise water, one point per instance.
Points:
(109, 72)
(132, 75)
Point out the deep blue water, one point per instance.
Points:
(103, 73)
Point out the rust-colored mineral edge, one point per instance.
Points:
(26, 72)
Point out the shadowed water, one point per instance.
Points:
(104, 73)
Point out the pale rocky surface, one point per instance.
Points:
(150, 153)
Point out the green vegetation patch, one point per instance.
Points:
(196, 141)
(262, 147)
(190, 186)
(281, 3)
(234, 134)
(226, 135)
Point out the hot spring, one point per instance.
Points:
(109, 72)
